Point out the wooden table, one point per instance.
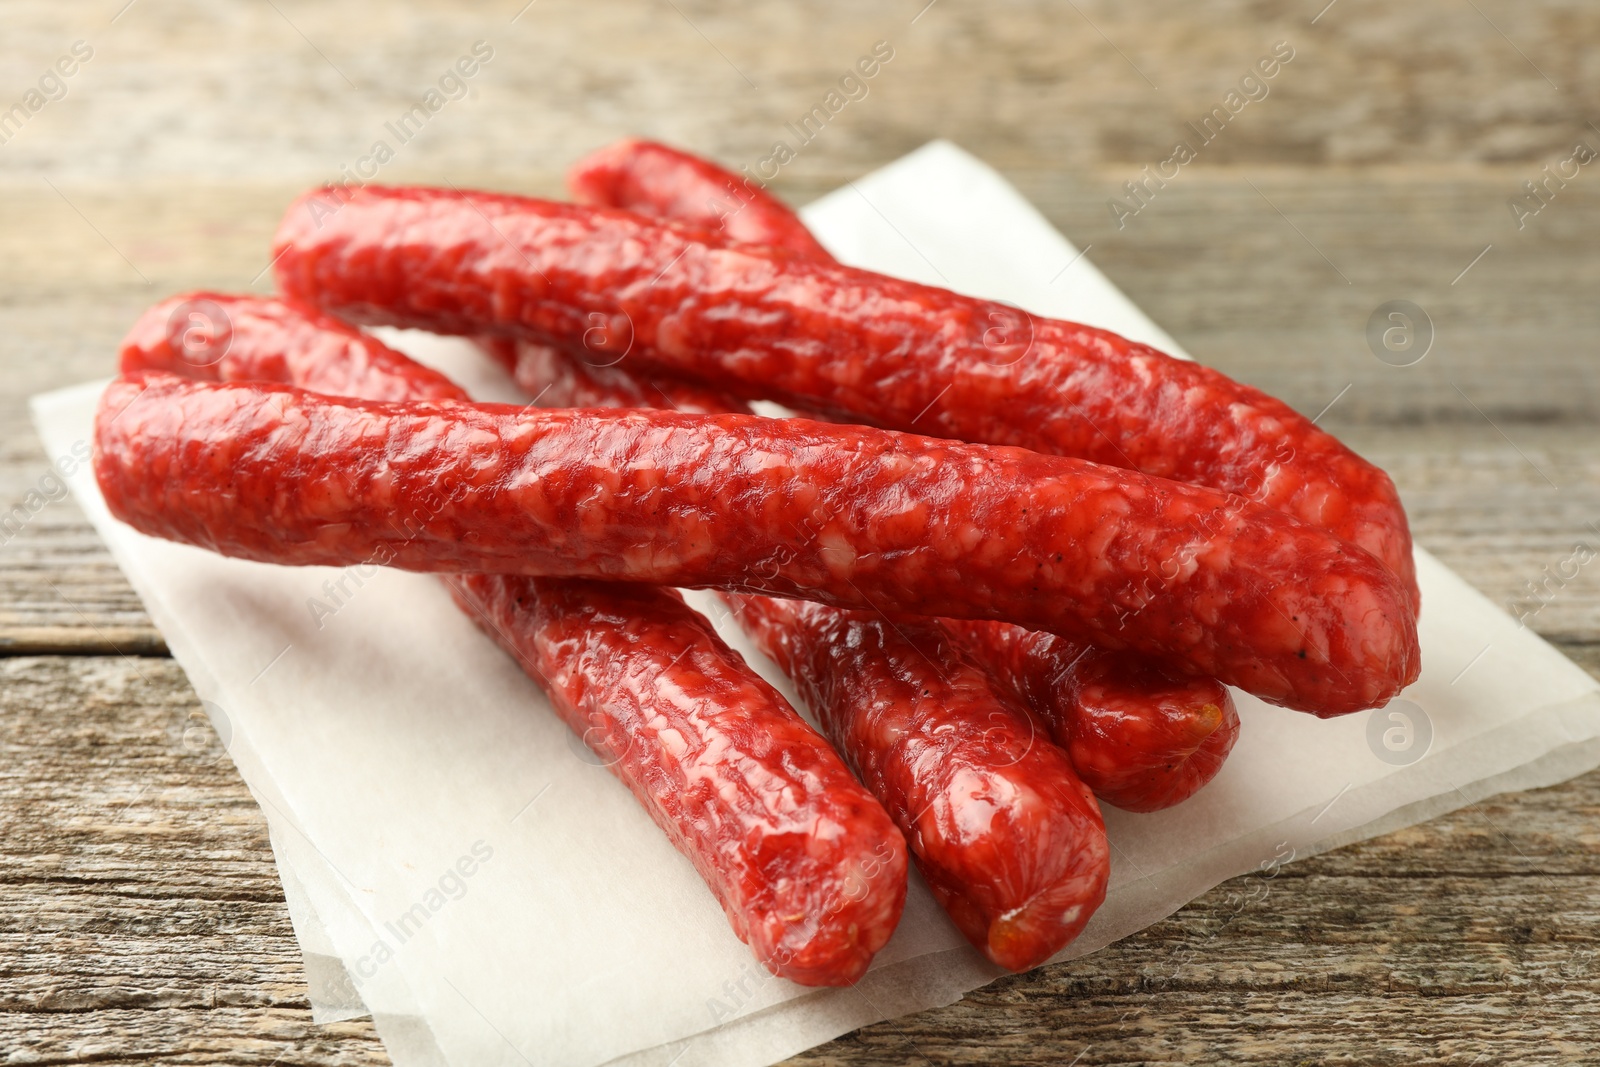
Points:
(141, 916)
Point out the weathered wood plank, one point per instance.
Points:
(208, 1034)
(306, 88)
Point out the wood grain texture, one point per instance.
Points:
(140, 916)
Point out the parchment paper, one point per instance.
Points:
(458, 865)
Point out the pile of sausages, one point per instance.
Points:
(1011, 563)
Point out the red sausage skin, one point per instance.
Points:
(653, 179)
(808, 867)
(558, 378)
(220, 337)
(848, 515)
(1142, 737)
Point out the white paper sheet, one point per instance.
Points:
(455, 862)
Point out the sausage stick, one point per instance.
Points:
(847, 515)
(653, 179)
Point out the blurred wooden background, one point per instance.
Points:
(141, 918)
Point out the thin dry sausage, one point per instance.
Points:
(848, 515)
(653, 179)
